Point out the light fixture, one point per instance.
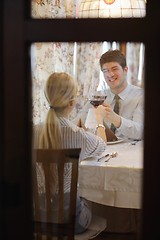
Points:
(109, 1)
(112, 8)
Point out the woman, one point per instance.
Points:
(59, 132)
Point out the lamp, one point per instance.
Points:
(109, 1)
(112, 8)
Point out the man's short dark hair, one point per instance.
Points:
(113, 56)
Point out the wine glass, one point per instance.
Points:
(97, 98)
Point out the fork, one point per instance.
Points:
(112, 155)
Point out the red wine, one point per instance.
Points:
(96, 102)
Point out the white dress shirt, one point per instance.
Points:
(131, 112)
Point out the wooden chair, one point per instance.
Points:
(44, 228)
(43, 218)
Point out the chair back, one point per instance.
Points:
(54, 210)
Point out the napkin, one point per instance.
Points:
(81, 124)
(91, 121)
(109, 134)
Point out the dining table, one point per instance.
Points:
(114, 181)
(114, 186)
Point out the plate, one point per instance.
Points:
(115, 142)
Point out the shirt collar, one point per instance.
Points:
(122, 94)
(125, 92)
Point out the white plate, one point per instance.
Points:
(115, 142)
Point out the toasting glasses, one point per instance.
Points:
(97, 98)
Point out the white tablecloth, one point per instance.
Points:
(117, 182)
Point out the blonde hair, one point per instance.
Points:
(60, 88)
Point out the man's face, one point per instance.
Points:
(115, 76)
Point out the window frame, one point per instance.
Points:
(18, 32)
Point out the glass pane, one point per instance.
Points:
(88, 9)
(54, 8)
(115, 186)
(111, 9)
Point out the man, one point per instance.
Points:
(128, 121)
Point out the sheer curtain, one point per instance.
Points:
(81, 60)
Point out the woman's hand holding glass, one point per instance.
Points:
(100, 113)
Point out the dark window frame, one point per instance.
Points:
(18, 32)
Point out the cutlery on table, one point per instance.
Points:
(134, 142)
(103, 157)
(112, 155)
